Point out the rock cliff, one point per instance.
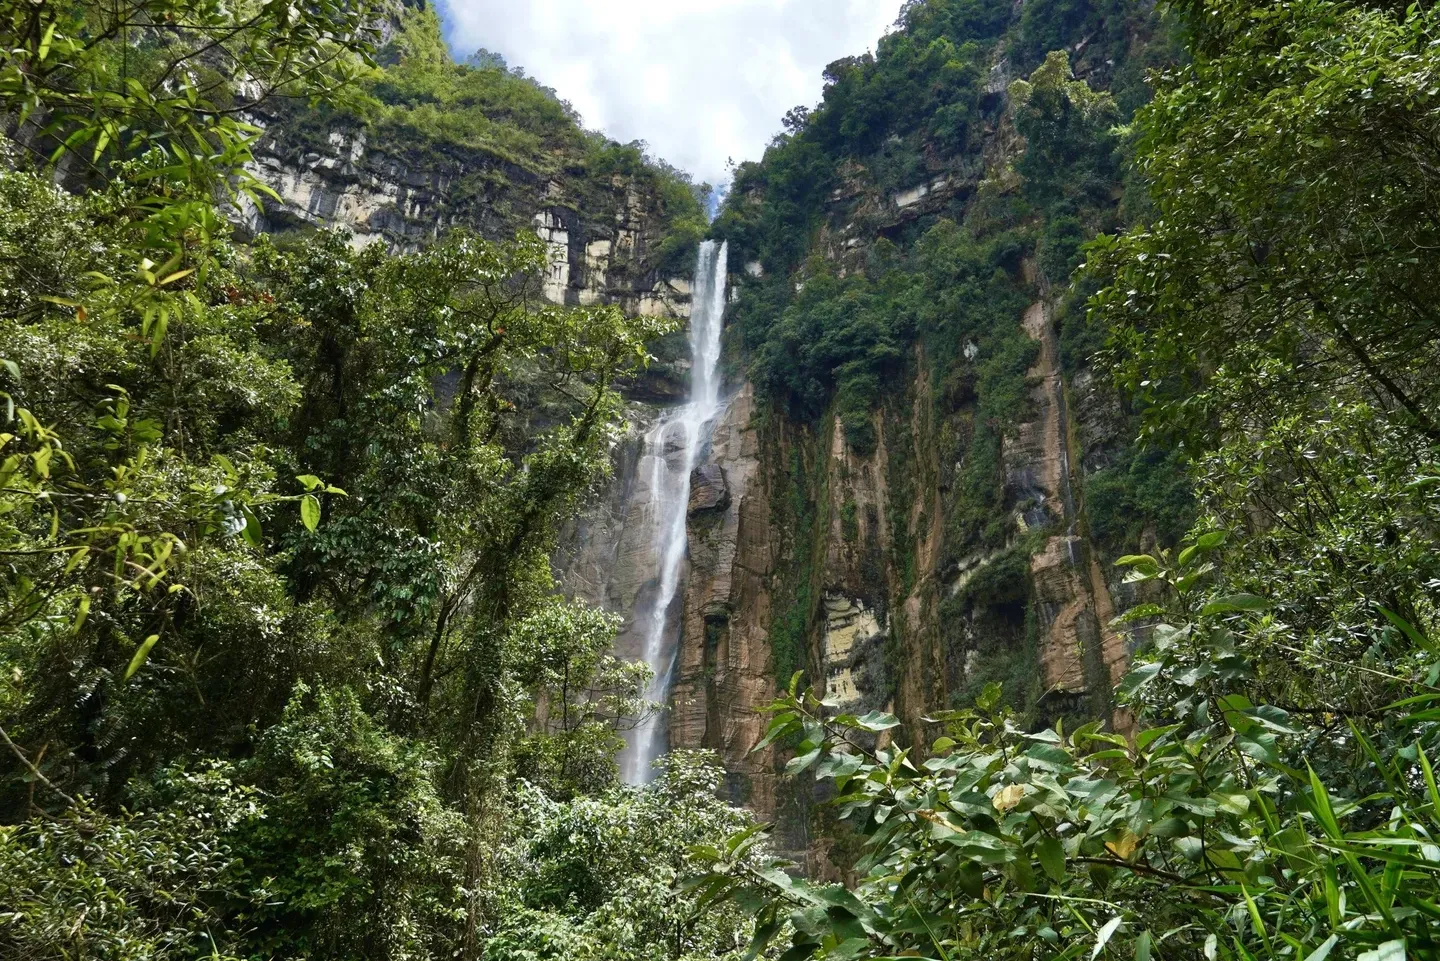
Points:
(429, 146)
(601, 237)
(910, 535)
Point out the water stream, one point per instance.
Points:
(672, 450)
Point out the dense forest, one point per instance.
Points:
(285, 667)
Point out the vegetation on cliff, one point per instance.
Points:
(485, 124)
(896, 235)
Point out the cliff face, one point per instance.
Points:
(427, 145)
(602, 233)
(911, 533)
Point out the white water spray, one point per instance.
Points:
(672, 449)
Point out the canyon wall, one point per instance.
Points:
(872, 547)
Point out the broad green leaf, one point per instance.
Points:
(1236, 603)
(1389, 951)
(1147, 737)
(1052, 857)
(310, 511)
(799, 764)
(877, 721)
(1420, 640)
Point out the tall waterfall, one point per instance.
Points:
(672, 450)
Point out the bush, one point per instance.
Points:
(355, 854)
(150, 885)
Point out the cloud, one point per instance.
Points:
(700, 82)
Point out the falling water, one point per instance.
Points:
(671, 450)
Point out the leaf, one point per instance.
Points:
(764, 934)
(1142, 947)
(1103, 937)
(46, 41)
(310, 511)
(141, 656)
(1007, 797)
(971, 880)
(1125, 847)
(1140, 677)
(799, 764)
(735, 840)
(877, 721)
(1236, 804)
(311, 482)
(81, 613)
(1420, 640)
(1323, 952)
(1235, 604)
(251, 531)
(839, 766)
(1430, 785)
(1052, 858)
(1147, 737)
(1389, 951)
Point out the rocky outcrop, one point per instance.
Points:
(1080, 653)
(852, 632)
(725, 670)
(601, 234)
(709, 490)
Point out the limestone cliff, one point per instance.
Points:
(601, 240)
(429, 146)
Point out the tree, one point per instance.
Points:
(1291, 167)
(604, 876)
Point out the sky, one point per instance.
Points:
(701, 82)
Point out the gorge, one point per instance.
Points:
(1002, 524)
(902, 548)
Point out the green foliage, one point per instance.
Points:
(124, 886)
(1149, 492)
(798, 515)
(1209, 834)
(1299, 278)
(602, 877)
(353, 827)
(89, 87)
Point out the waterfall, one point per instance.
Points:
(672, 449)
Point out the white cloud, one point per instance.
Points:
(700, 82)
